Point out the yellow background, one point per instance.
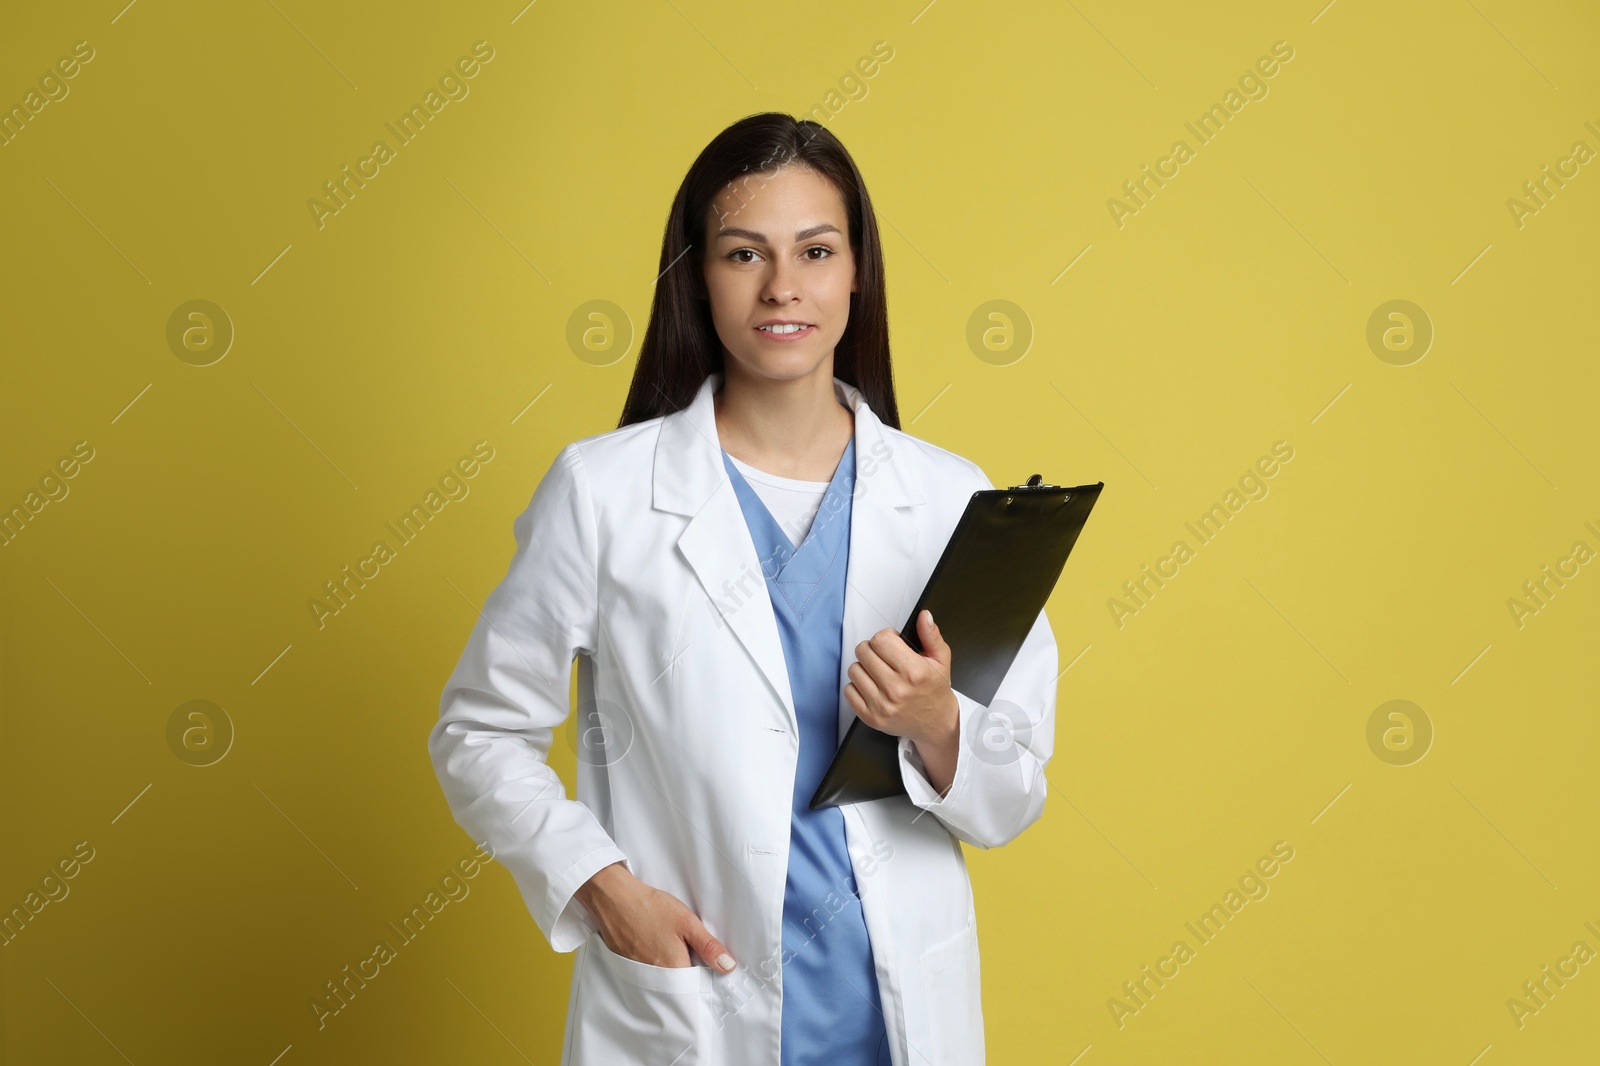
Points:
(1228, 314)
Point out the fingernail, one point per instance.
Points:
(725, 961)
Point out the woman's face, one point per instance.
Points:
(778, 250)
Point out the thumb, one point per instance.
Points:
(710, 948)
(933, 643)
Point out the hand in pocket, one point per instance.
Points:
(647, 925)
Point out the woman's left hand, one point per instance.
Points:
(903, 693)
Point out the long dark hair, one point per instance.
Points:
(680, 346)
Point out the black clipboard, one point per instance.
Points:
(996, 573)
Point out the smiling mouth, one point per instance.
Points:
(786, 331)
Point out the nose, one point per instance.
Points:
(781, 284)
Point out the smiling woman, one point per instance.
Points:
(719, 248)
(780, 303)
(724, 567)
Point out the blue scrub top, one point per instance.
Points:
(831, 1012)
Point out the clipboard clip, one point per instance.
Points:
(1036, 482)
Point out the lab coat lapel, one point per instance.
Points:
(690, 479)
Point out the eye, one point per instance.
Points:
(827, 253)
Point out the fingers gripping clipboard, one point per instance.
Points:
(986, 591)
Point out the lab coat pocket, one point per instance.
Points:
(631, 1011)
(954, 1001)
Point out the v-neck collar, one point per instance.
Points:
(797, 570)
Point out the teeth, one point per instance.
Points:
(790, 328)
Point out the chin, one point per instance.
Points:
(784, 366)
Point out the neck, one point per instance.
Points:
(792, 428)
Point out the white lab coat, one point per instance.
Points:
(634, 556)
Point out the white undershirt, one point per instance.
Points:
(793, 503)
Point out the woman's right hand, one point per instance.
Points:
(646, 924)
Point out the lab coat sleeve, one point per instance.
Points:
(999, 785)
(510, 692)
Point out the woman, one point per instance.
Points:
(731, 566)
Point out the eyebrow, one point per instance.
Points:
(752, 235)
